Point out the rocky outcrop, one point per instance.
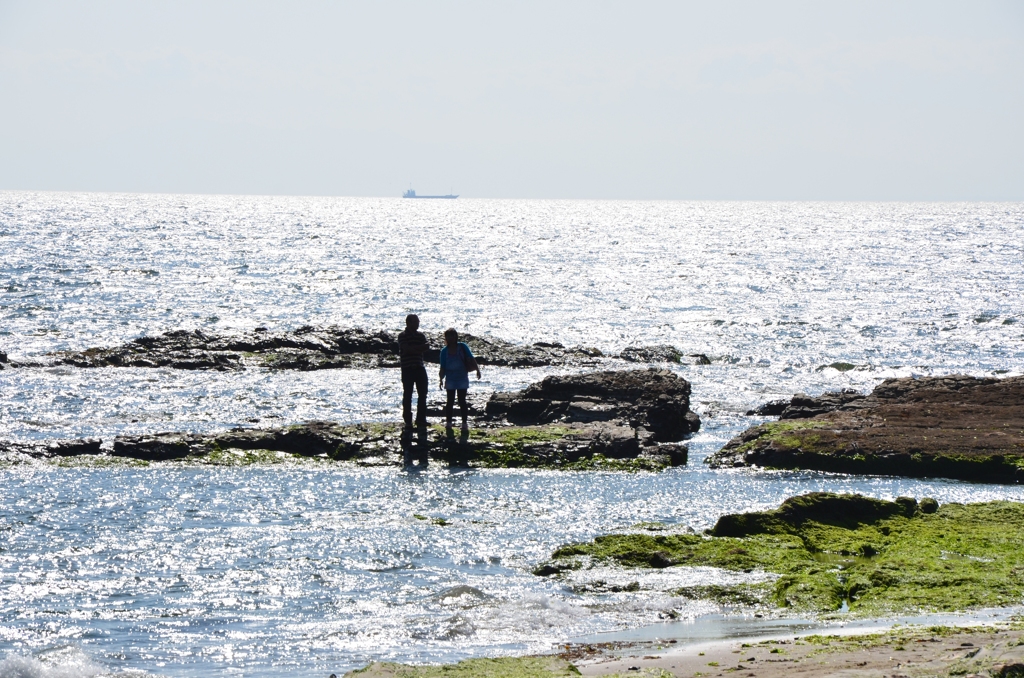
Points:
(318, 348)
(580, 446)
(629, 420)
(655, 403)
(306, 348)
(954, 426)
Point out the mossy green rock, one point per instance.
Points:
(879, 557)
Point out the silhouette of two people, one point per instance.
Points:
(457, 361)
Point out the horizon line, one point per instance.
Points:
(462, 197)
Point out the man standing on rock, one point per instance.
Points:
(411, 346)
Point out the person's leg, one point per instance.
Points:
(408, 381)
(421, 397)
(463, 408)
(448, 408)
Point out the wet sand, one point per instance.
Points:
(986, 650)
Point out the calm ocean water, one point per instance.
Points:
(306, 569)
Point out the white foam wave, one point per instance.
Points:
(61, 663)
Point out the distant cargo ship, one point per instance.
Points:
(412, 194)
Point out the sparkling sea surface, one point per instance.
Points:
(313, 568)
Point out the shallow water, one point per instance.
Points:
(310, 568)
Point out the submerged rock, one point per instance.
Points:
(954, 426)
(318, 348)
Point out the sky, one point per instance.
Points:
(730, 100)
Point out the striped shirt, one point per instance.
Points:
(411, 346)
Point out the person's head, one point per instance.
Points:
(451, 337)
(412, 321)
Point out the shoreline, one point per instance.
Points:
(981, 643)
(986, 647)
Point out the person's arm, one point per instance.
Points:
(440, 372)
(475, 362)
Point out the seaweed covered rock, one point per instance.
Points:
(656, 403)
(839, 510)
(954, 426)
(819, 551)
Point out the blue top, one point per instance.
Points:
(456, 375)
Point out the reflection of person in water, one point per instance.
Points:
(411, 345)
(456, 363)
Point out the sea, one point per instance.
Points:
(312, 568)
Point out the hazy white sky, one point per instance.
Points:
(648, 100)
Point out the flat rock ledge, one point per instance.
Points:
(955, 426)
(332, 347)
(638, 425)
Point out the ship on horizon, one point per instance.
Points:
(412, 194)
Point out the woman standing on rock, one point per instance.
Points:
(456, 362)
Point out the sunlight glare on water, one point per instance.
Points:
(309, 569)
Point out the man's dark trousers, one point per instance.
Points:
(414, 375)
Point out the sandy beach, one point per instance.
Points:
(985, 650)
(992, 649)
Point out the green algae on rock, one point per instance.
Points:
(877, 557)
(568, 447)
